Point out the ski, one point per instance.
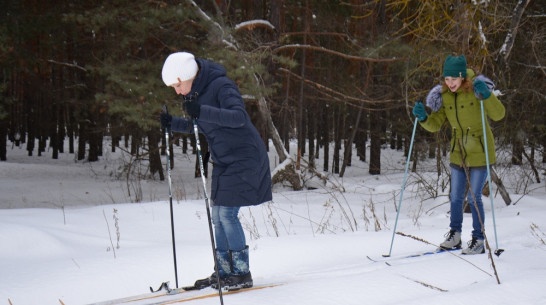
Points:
(206, 294)
(413, 255)
(165, 295)
(161, 292)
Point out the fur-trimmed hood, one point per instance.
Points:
(434, 97)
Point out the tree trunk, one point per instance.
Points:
(348, 147)
(399, 141)
(502, 190)
(531, 160)
(115, 142)
(544, 148)
(361, 140)
(273, 133)
(155, 158)
(61, 129)
(54, 134)
(432, 145)
(301, 100)
(510, 39)
(337, 139)
(70, 128)
(94, 143)
(3, 142)
(311, 126)
(375, 146)
(326, 137)
(276, 12)
(285, 122)
(517, 150)
(82, 138)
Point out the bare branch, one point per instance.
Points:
(530, 66)
(338, 96)
(74, 65)
(322, 49)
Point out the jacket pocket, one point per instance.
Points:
(474, 143)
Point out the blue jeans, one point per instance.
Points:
(458, 187)
(228, 230)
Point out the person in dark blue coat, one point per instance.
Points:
(240, 175)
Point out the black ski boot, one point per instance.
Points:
(236, 282)
(204, 283)
(223, 260)
(240, 277)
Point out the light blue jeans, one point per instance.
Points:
(478, 176)
(228, 230)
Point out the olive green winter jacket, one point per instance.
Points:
(463, 112)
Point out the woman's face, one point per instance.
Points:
(453, 83)
(183, 87)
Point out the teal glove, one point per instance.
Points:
(419, 111)
(481, 90)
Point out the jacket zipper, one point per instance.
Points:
(454, 135)
(460, 126)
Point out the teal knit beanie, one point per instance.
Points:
(455, 66)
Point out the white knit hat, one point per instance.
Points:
(179, 65)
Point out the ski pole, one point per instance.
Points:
(497, 251)
(207, 204)
(403, 187)
(165, 110)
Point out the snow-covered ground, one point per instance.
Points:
(69, 232)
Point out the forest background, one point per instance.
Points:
(321, 72)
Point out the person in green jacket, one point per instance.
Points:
(458, 101)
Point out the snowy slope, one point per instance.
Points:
(61, 244)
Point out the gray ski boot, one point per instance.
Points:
(453, 240)
(475, 246)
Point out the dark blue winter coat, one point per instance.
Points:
(241, 175)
